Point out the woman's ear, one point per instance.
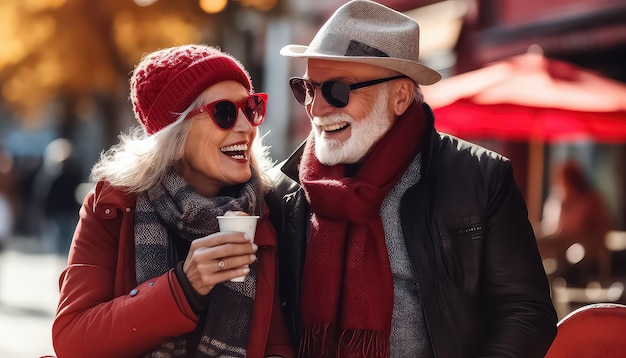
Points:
(403, 96)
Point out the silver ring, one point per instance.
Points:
(221, 264)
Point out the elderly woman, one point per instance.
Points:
(148, 272)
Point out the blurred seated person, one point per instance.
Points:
(575, 213)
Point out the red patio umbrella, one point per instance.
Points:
(530, 98)
(465, 118)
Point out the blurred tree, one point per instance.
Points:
(82, 51)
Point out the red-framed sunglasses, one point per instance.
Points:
(224, 112)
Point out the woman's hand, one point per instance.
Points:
(217, 258)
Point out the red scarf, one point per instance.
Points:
(347, 292)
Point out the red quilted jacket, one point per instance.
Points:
(102, 312)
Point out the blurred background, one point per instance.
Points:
(65, 66)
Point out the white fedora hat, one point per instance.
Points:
(367, 32)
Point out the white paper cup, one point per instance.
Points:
(241, 223)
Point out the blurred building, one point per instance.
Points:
(589, 33)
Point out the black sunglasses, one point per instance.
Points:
(336, 93)
(224, 112)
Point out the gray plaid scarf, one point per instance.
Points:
(172, 211)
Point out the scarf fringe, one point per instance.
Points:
(320, 341)
(314, 341)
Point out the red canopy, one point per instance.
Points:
(466, 119)
(529, 97)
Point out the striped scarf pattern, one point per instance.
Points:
(172, 211)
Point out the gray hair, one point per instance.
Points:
(418, 95)
(139, 160)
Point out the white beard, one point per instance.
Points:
(364, 134)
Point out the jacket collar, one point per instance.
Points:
(107, 195)
(291, 165)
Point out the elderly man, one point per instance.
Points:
(395, 239)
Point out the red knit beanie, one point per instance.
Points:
(166, 82)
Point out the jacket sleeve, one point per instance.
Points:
(93, 320)
(521, 320)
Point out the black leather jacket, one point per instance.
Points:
(485, 293)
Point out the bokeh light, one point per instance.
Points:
(213, 6)
(550, 265)
(263, 5)
(575, 253)
(144, 3)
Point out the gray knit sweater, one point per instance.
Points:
(409, 336)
